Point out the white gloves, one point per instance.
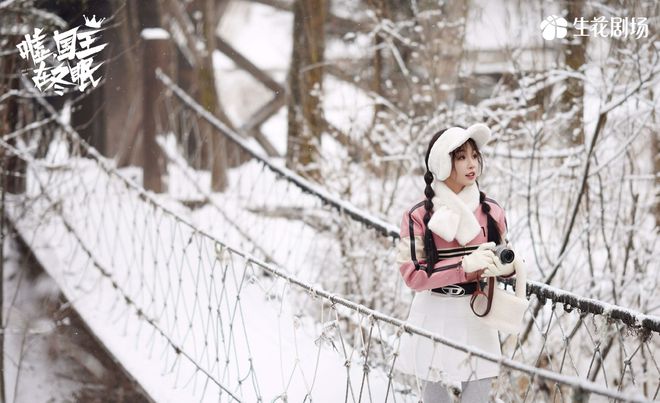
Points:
(500, 269)
(482, 258)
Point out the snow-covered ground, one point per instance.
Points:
(178, 310)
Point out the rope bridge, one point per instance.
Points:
(228, 303)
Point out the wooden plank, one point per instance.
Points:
(242, 62)
(264, 113)
(251, 126)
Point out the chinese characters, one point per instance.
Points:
(614, 27)
(73, 62)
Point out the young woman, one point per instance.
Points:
(445, 251)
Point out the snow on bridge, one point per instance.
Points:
(191, 316)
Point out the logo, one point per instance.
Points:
(453, 290)
(554, 27)
(70, 62)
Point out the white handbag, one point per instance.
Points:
(506, 308)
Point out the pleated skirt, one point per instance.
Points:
(452, 318)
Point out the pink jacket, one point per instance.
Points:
(448, 269)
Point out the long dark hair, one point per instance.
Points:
(430, 251)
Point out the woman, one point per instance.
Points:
(445, 249)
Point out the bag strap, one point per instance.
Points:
(489, 294)
(491, 280)
(411, 235)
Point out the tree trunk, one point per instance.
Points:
(305, 112)
(382, 12)
(8, 166)
(208, 98)
(13, 167)
(88, 117)
(157, 54)
(655, 155)
(574, 58)
(123, 93)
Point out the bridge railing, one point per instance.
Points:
(602, 332)
(220, 321)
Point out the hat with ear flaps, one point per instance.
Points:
(440, 155)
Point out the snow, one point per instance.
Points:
(152, 34)
(58, 150)
(183, 182)
(353, 46)
(347, 108)
(262, 33)
(88, 251)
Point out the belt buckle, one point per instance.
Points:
(453, 290)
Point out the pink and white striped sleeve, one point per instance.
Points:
(412, 260)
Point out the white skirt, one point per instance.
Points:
(452, 318)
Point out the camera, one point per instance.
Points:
(503, 253)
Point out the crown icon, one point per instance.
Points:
(93, 22)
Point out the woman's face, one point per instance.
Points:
(465, 168)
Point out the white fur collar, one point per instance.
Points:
(453, 213)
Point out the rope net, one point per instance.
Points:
(227, 300)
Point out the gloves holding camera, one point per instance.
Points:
(496, 260)
(482, 258)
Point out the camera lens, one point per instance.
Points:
(505, 254)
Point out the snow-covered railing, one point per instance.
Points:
(570, 301)
(304, 184)
(542, 291)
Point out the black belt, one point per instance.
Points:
(456, 290)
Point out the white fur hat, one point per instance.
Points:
(451, 139)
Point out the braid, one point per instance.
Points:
(494, 234)
(429, 244)
(430, 250)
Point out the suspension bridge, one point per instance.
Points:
(232, 301)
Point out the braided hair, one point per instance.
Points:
(494, 234)
(430, 250)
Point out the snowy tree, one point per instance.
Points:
(305, 115)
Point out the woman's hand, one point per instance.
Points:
(482, 258)
(501, 269)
